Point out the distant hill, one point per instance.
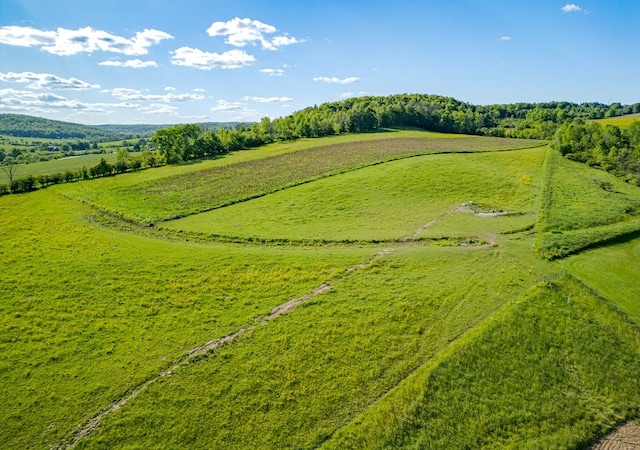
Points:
(148, 129)
(28, 126)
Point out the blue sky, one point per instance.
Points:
(144, 61)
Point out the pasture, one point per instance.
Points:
(620, 121)
(361, 291)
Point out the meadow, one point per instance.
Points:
(361, 291)
(620, 121)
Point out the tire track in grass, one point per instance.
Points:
(196, 353)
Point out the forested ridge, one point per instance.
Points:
(19, 125)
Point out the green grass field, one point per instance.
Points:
(613, 272)
(353, 302)
(621, 121)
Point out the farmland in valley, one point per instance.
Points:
(383, 290)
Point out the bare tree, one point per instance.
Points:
(9, 166)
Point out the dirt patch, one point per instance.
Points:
(627, 437)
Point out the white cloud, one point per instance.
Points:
(192, 57)
(272, 72)
(267, 99)
(137, 95)
(83, 40)
(169, 88)
(570, 7)
(240, 32)
(199, 90)
(30, 101)
(346, 94)
(280, 41)
(505, 38)
(133, 63)
(46, 81)
(335, 80)
(159, 108)
(226, 106)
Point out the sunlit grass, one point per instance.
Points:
(87, 314)
(381, 202)
(613, 271)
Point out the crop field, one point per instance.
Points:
(377, 203)
(368, 291)
(194, 192)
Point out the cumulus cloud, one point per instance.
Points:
(267, 99)
(133, 63)
(199, 90)
(240, 32)
(272, 72)
(83, 40)
(570, 7)
(46, 81)
(138, 95)
(335, 80)
(193, 57)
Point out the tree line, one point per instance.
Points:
(550, 121)
(124, 162)
(614, 149)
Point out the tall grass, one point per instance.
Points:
(555, 369)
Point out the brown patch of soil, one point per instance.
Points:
(627, 437)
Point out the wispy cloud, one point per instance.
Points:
(272, 72)
(132, 63)
(505, 38)
(46, 81)
(226, 106)
(66, 42)
(335, 80)
(240, 32)
(138, 95)
(570, 7)
(32, 101)
(267, 99)
(193, 57)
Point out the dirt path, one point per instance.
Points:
(627, 437)
(191, 356)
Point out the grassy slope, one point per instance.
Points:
(612, 271)
(301, 379)
(230, 180)
(292, 383)
(556, 369)
(577, 212)
(87, 314)
(378, 202)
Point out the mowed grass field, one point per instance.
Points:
(621, 121)
(368, 325)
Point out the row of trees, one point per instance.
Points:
(362, 114)
(124, 162)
